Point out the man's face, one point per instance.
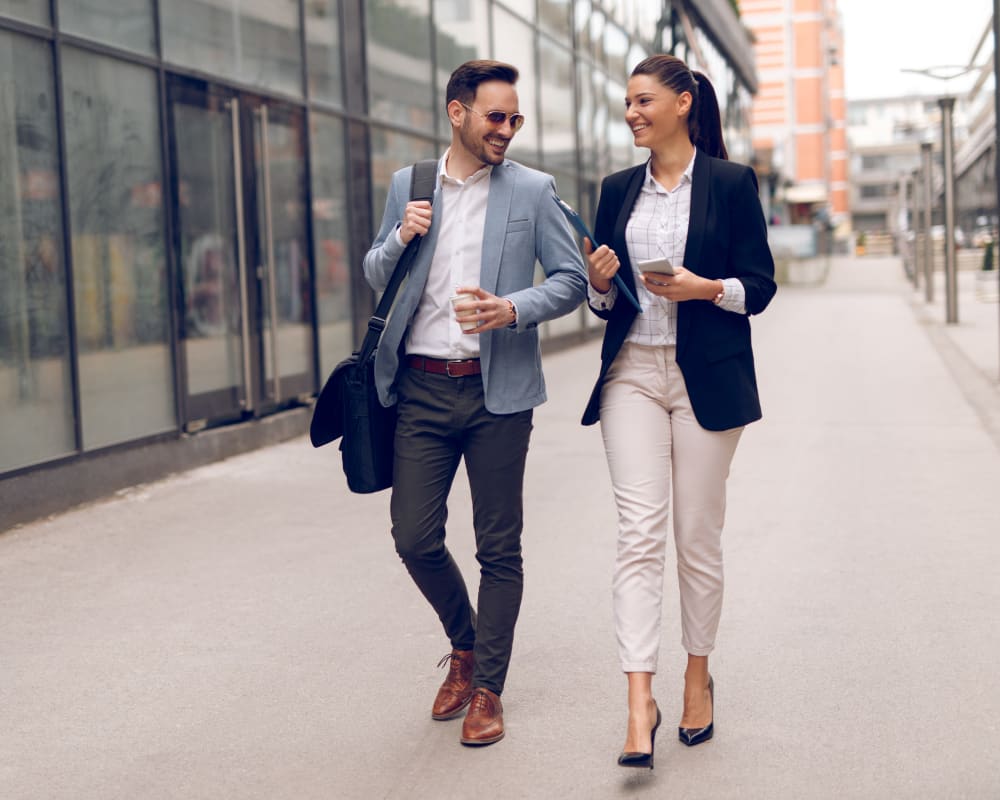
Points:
(484, 140)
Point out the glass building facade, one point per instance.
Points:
(188, 187)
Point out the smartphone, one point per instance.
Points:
(661, 266)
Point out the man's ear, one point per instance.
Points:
(456, 113)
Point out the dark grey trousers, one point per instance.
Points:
(442, 420)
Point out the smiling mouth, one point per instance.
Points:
(639, 128)
(498, 143)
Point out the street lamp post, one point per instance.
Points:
(947, 104)
(950, 257)
(918, 256)
(928, 165)
(904, 223)
(996, 122)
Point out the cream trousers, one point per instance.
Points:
(653, 441)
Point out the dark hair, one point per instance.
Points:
(704, 120)
(465, 80)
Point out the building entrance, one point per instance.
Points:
(240, 206)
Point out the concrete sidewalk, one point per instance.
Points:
(245, 630)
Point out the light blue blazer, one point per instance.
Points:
(522, 224)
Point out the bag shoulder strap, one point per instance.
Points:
(423, 180)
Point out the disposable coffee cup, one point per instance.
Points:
(465, 297)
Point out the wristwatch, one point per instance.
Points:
(513, 313)
(722, 293)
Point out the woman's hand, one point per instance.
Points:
(602, 264)
(416, 220)
(682, 285)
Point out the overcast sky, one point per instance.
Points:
(881, 37)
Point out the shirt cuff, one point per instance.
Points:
(601, 302)
(399, 238)
(734, 296)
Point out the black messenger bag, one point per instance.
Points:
(348, 408)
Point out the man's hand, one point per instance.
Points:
(416, 220)
(489, 311)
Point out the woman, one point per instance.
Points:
(677, 382)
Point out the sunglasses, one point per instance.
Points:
(498, 118)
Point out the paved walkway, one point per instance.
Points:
(244, 630)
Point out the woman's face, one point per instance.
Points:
(655, 113)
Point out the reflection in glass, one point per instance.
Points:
(558, 139)
(36, 11)
(526, 8)
(213, 317)
(286, 323)
(616, 51)
(36, 412)
(622, 151)
(392, 151)
(462, 35)
(124, 23)
(515, 44)
(253, 41)
(553, 16)
(331, 241)
(399, 63)
(119, 257)
(323, 43)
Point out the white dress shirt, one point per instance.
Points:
(460, 213)
(658, 228)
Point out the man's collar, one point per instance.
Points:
(478, 175)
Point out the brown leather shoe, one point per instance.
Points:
(456, 691)
(484, 722)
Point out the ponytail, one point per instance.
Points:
(705, 121)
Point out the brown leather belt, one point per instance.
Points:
(441, 366)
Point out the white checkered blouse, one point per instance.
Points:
(658, 228)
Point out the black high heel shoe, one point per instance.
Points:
(642, 760)
(693, 736)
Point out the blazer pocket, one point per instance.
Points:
(518, 225)
(718, 351)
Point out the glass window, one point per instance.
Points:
(36, 410)
(553, 16)
(514, 42)
(558, 140)
(399, 63)
(623, 153)
(253, 41)
(616, 51)
(323, 43)
(392, 151)
(526, 8)
(331, 241)
(125, 23)
(119, 258)
(36, 11)
(463, 33)
(597, 23)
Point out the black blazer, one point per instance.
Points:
(727, 238)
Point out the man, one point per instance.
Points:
(470, 393)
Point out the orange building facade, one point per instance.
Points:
(799, 115)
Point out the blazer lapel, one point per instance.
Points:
(495, 229)
(701, 180)
(628, 201)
